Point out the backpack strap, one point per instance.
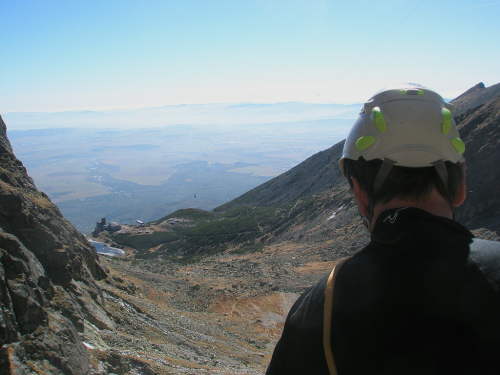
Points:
(327, 317)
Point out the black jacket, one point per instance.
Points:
(419, 299)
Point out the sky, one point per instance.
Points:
(125, 54)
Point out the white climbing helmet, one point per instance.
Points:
(407, 124)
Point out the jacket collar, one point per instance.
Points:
(410, 218)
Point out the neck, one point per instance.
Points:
(434, 203)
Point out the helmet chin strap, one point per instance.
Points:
(367, 224)
(381, 176)
(442, 171)
(387, 165)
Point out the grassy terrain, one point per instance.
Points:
(189, 234)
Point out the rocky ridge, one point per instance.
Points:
(476, 96)
(48, 279)
(480, 130)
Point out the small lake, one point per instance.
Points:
(104, 249)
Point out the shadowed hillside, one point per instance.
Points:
(480, 129)
(315, 175)
(475, 97)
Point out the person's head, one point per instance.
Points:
(404, 145)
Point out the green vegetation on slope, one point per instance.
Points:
(193, 233)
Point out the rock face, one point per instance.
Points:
(480, 129)
(48, 274)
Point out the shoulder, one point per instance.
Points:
(309, 303)
(308, 310)
(299, 350)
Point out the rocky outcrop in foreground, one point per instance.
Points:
(48, 274)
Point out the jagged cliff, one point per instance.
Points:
(48, 274)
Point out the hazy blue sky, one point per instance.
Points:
(102, 54)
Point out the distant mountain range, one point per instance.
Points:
(186, 114)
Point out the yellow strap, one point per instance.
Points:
(327, 317)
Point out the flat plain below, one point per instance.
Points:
(144, 174)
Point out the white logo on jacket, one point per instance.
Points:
(392, 219)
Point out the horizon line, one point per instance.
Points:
(180, 105)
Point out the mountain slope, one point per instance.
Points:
(274, 241)
(317, 174)
(476, 96)
(480, 130)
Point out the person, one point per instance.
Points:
(423, 296)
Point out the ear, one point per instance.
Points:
(361, 197)
(459, 199)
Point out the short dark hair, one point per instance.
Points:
(403, 182)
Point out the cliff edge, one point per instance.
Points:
(48, 274)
